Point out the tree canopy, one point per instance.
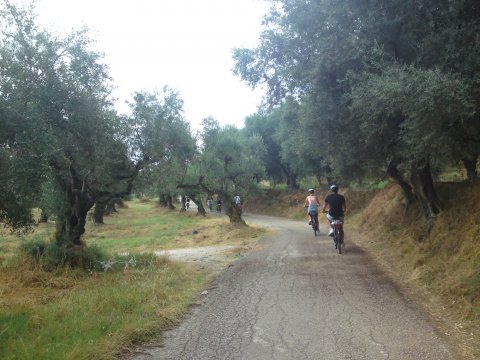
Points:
(382, 87)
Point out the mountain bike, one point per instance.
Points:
(338, 235)
(314, 223)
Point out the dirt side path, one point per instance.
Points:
(296, 298)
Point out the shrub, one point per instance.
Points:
(34, 249)
(51, 255)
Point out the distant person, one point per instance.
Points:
(238, 204)
(210, 204)
(335, 207)
(187, 202)
(312, 204)
(219, 204)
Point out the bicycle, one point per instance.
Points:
(314, 223)
(338, 234)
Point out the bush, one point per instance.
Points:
(51, 256)
(34, 249)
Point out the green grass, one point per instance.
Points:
(110, 310)
(153, 229)
(69, 314)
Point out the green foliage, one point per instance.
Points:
(368, 89)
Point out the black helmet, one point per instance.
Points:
(311, 191)
(334, 188)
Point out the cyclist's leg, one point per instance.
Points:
(330, 219)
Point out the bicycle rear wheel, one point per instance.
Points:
(338, 240)
(341, 244)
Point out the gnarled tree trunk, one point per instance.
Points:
(395, 174)
(98, 213)
(71, 223)
(470, 164)
(422, 181)
(291, 178)
(197, 200)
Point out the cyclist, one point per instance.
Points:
(336, 205)
(312, 204)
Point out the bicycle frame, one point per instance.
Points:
(314, 222)
(338, 234)
(337, 224)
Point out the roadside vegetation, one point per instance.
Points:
(130, 295)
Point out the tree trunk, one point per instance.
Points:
(110, 206)
(198, 201)
(422, 181)
(394, 173)
(99, 213)
(291, 178)
(470, 164)
(71, 224)
(43, 216)
(184, 202)
(170, 202)
(163, 200)
(235, 216)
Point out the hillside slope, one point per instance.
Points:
(440, 269)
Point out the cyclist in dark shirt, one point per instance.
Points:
(336, 205)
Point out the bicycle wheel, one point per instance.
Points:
(315, 228)
(339, 241)
(336, 239)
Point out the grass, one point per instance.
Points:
(144, 227)
(98, 314)
(70, 314)
(439, 269)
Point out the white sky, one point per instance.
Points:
(185, 44)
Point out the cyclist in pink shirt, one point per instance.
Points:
(312, 204)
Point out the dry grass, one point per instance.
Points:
(441, 269)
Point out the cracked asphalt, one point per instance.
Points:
(296, 298)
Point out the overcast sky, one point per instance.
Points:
(185, 44)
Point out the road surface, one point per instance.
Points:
(296, 298)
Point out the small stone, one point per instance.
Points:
(205, 292)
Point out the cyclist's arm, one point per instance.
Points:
(325, 206)
(306, 203)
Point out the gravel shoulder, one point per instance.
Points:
(210, 258)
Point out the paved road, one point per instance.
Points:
(296, 298)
